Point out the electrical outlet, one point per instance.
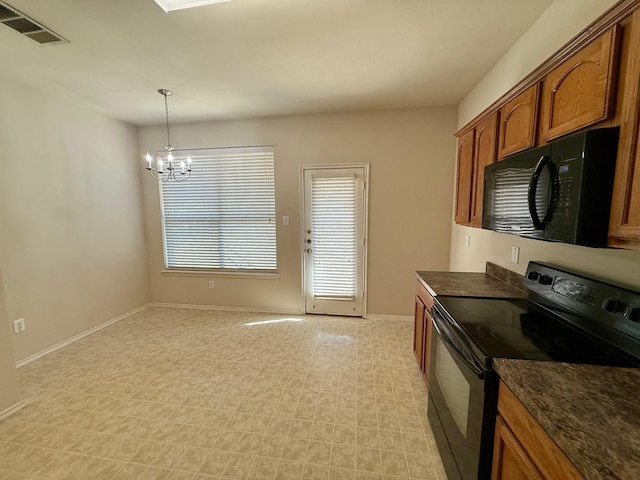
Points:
(467, 240)
(515, 254)
(212, 284)
(19, 325)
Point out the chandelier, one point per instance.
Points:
(168, 168)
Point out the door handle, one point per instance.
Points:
(460, 354)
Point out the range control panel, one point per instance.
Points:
(593, 298)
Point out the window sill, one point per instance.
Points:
(216, 273)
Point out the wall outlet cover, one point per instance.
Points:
(515, 254)
(212, 284)
(19, 325)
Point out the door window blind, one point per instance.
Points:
(334, 237)
(223, 217)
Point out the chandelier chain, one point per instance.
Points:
(166, 114)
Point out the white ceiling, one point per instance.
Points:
(251, 58)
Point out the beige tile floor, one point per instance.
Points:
(185, 394)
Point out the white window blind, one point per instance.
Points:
(334, 237)
(223, 217)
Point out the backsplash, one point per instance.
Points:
(505, 275)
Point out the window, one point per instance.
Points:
(223, 217)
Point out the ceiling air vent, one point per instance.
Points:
(12, 18)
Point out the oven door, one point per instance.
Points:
(462, 403)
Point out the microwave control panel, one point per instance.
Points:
(568, 187)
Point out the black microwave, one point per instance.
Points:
(558, 192)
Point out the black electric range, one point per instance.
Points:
(521, 329)
(566, 317)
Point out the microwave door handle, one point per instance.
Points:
(555, 193)
(531, 194)
(459, 353)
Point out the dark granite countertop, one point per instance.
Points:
(467, 285)
(591, 412)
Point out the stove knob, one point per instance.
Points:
(533, 275)
(613, 305)
(545, 280)
(634, 315)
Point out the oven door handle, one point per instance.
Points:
(469, 362)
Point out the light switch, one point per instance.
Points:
(285, 220)
(467, 240)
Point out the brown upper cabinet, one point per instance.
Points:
(580, 91)
(485, 154)
(464, 177)
(519, 122)
(592, 81)
(624, 228)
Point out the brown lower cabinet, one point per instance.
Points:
(522, 450)
(422, 329)
(510, 460)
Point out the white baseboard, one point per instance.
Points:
(389, 318)
(75, 338)
(12, 409)
(235, 309)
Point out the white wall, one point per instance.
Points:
(72, 245)
(9, 390)
(410, 195)
(561, 22)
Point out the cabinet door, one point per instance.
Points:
(510, 461)
(428, 327)
(543, 452)
(519, 122)
(485, 154)
(624, 228)
(464, 178)
(579, 92)
(419, 333)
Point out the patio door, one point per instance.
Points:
(334, 236)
